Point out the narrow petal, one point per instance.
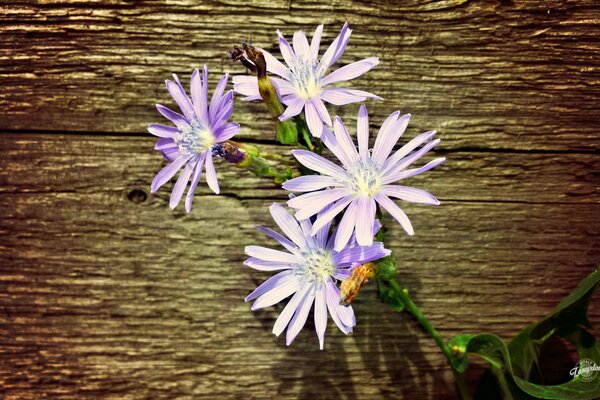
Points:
(308, 183)
(196, 89)
(345, 313)
(227, 131)
(313, 120)
(330, 214)
(321, 110)
(170, 154)
(182, 100)
(176, 118)
(311, 203)
(288, 225)
(225, 111)
(275, 66)
(339, 316)
(301, 47)
(387, 139)
(194, 182)
(163, 131)
(293, 108)
(180, 185)
(322, 234)
(395, 212)
(332, 143)
(387, 125)
(277, 294)
(203, 114)
(410, 194)
(365, 218)
(362, 132)
(246, 88)
(286, 50)
(271, 283)
(340, 96)
(263, 265)
(392, 161)
(333, 52)
(345, 227)
(342, 44)
(168, 172)
(283, 87)
(267, 254)
(316, 42)
(319, 164)
(416, 171)
(299, 319)
(289, 310)
(345, 141)
(211, 174)
(165, 143)
(217, 96)
(350, 71)
(361, 254)
(288, 244)
(320, 312)
(390, 175)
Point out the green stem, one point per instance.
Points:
(411, 307)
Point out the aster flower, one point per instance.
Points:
(196, 136)
(309, 269)
(364, 180)
(304, 83)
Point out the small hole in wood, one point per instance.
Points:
(137, 196)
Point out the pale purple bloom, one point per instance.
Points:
(364, 180)
(196, 135)
(309, 270)
(305, 83)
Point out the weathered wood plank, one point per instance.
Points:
(44, 163)
(486, 74)
(107, 295)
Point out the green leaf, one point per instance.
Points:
(517, 360)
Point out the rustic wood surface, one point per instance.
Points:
(106, 293)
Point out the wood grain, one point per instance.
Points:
(492, 74)
(103, 289)
(106, 293)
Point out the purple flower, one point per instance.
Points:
(196, 135)
(304, 83)
(364, 180)
(309, 269)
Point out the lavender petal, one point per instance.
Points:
(288, 312)
(410, 194)
(168, 172)
(319, 164)
(395, 212)
(350, 71)
(180, 185)
(288, 225)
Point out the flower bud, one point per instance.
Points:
(253, 59)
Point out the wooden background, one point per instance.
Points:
(106, 293)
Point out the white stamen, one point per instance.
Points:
(364, 178)
(318, 266)
(195, 139)
(305, 78)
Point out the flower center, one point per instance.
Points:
(317, 268)
(364, 178)
(195, 139)
(305, 78)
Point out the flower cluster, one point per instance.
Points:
(321, 248)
